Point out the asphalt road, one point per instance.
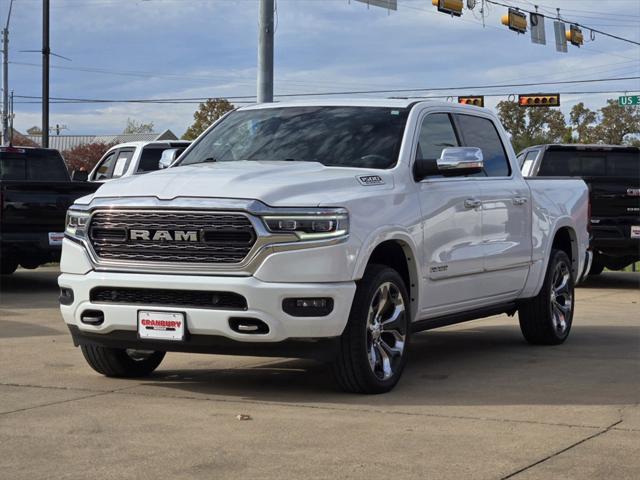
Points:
(474, 402)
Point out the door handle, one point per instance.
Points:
(472, 203)
(519, 200)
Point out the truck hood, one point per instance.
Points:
(274, 183)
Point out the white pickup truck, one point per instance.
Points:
(331, 230)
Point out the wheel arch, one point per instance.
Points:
(565, 239)
(397, 253)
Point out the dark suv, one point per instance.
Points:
(612, 173)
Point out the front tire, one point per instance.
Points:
(373, 347)
(596, 266)
(117, 362)
(546, 319)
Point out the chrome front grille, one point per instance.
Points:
(218, 238)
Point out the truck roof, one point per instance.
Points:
(581, 146)
(354, 102)
(16, 148)
(141, 143)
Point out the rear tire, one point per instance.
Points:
(117, 362)
(546, 319)
(7, 267)
(373, 347)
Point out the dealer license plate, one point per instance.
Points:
(635, 231)
(161, 325)
(55, 238)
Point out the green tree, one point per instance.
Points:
(583, 122)
(134, 126)
(618, 123)
(532, 126)
(207, 113)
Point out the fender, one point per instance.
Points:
(539, 266)
(403, 236)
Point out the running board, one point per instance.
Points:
(453, 318)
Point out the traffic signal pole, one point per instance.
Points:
(265, 52)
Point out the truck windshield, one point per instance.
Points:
(32, 165)
(590, 163)
(363, 137)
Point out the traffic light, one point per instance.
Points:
(539, 100)
(452, 7)
(574, 35)
(477, 101)
(515, 20)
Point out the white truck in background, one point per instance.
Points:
(332, 230)
(135, 158)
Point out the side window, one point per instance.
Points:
(528, 162)
(105, 169)
(481, 133)
(122, 163)
(436, 134)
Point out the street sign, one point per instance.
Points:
(561, 36)
(388, 4)
(537, 29)
(629, 100)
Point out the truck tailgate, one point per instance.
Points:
(38, 207)
(614, 196)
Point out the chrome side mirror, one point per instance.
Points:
(458, 161)
(168, 157)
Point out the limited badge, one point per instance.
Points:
(371, 180)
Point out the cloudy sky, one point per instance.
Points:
(153, 49)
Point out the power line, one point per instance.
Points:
(194, 102)
(352, 92)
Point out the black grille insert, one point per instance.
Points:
(171, 236)
(165, 297)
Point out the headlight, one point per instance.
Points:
(310, 227)
(76, 225)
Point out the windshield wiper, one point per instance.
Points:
(209, 160)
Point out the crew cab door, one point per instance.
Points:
(506, 210)
(451, 221)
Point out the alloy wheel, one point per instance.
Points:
(561, 298)
(386, 330)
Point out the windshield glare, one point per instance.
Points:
(363, 137)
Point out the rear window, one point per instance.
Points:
(590, 164)
(33, 165)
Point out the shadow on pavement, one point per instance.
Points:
(619, 280)
(39, 287)
(479, 366)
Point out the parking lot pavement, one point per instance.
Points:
(474, 402)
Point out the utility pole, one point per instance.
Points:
(265, 52)
(5, 80)
(5, 86)
(46, 50)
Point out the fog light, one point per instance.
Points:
(66, 296)
(308, 307)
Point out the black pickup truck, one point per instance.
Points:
(35, 192)
(612, 173)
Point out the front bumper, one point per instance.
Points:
(264, 302)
